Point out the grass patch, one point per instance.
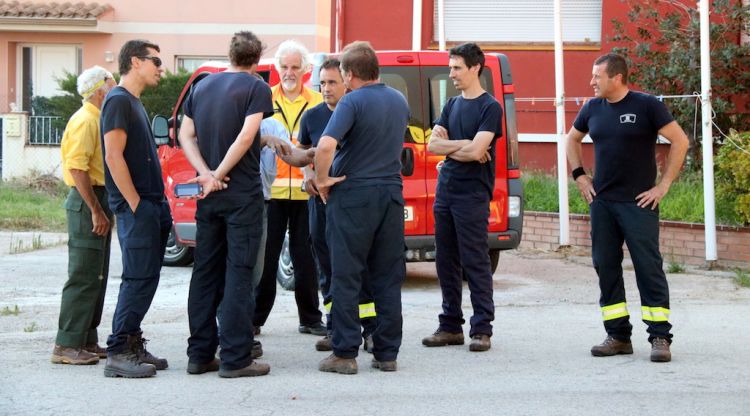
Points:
(7, 311)
(31, 328)
(674, 267)
(33, 203)
(742, 277)
(18, 246)
(683, 202)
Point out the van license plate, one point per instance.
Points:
(408, 213)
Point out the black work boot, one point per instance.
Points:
(127, 364)
(138, 345)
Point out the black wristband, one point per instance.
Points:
(578, 172)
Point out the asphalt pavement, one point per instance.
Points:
(547, 318)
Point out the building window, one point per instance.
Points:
(519, 21)
(191, 63)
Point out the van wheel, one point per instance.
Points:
(494, 259)
(177, 254)
(285, 273)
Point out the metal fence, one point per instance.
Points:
(43, 130)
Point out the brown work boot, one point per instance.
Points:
(334, 364)
(138, 344)
(255, 369)
(198, 368)
(611, 346)
(94, 348)
(324, 344)
(480, 342)
(660, 351)
(441, 338)
(75, 356)
(127, 364)
(384, 365)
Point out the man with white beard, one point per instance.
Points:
(288, 204)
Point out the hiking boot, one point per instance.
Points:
(441, 338)
(255, 369)
(660, 351)
(480, 342)
(367, 344)
(315, 329)
(197, 368)
(324, 344)
(611, 346)
(127, 364)
(257, 350)
(334, 364)
(74, 356)
(138, 345)
(94, 348)
(384, 365)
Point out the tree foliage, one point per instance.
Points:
(663, 52)
(733, 173)
(159, 100)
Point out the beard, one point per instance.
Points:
(289, 85)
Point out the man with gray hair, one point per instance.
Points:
(288, 205)
(89, 226)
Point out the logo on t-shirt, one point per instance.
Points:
(627, 118)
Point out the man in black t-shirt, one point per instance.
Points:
(220, 135)
(358, 175)
(623, 200)
(136, 196)
(313, 123)
(465, 133)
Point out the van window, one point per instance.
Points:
(405, 79)
(441, 88)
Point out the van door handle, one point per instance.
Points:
(407, 161)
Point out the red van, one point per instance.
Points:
(422, 77)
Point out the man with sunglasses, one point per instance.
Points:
(136, 195)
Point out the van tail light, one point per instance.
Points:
(514, 206)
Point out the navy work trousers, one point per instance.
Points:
(227, 241)
(461, 219)
(323, 258)
(613, 223)
(365, 234)
(143, 238)
(291, 213)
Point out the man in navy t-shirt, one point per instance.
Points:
(365, 214)
(136, 196)
(623, 200)
(314, 122)
(465, 133)
(220, 135)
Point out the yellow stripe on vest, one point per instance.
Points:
(618, 310)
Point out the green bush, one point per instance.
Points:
(159, 100)
(683, 202)
(733, 174)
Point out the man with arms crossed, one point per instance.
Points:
(465, 133)
(89, 226)
(624, 201)
(312, 126)
(136, 195)
(220, 134)
(365, 212)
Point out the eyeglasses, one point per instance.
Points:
(155, 59)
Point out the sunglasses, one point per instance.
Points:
(155, 59)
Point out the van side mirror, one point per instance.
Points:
(160, 127)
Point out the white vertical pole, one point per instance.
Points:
(441, 25)
(562, 163)
(416, 26)
(708, 141)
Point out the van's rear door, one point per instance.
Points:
(400, 70)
